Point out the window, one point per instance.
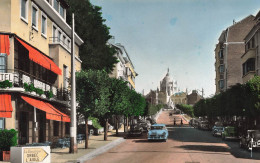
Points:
(44, 25)
(63, 41)
(221, 68)
(62, 11)
(56, 5)
(56, 128)
(24, 10)
(2, 62)
(248, 66)
(59, 36)
(65, 76)
(221, 84)
(2, 123)
(34, 16)
(253, 42)
(54, 32)
(221, 56)
(248, 45)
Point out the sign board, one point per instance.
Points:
(30, 154)
(7, 76)
(34, 155)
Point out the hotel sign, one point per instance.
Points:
(7, 76)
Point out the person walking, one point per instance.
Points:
(181, 122)
(174, 122)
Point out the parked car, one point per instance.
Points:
(217, 130)
(135, 130)
(158, 132)
(203, 125)
(245, 140)
(230, 132)
(146, 125)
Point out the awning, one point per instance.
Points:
(40, 59)
(4, 44)
(5, 106)
(51, 112)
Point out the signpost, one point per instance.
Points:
(30, 154)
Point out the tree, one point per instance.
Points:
(90, 93)
(95, 53)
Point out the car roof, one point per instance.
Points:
(158, 124)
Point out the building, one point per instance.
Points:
(179, 98)
(124, 69)
(163, 96)
(251, 58)
(35, 56)
(228, 54)
(193, 98)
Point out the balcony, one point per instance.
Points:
(249, 75)
(62, 43)
(20, 79)
(249, 54)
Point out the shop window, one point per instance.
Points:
(24, 10)
(56, 128)
(2, 62)
(2, 123)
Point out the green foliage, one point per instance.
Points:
(8, 138)
(153, 109)
(5, 84)
(95, 53)
(95, 122)
(238, 100)
(187, 109)
(49, 94)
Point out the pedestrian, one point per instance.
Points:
(181, 122)
(174, 121)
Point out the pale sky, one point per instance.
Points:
(179, 34)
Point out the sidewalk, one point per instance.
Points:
(97, 145)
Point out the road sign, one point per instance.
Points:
(34, 155)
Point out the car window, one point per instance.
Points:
(156, 127)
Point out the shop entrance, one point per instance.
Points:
(23, 128)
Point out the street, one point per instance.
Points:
(185, 144)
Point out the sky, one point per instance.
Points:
(177, 34)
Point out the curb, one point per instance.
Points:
(185, 119)
(100, 150)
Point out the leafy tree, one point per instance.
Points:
(90, 94)
(95, 53)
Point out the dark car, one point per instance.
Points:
(230, 133)
(246, 139)
(135, 130)
(204, 125)
(146, 125)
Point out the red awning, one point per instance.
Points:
(4, 44)
(40, 59)
(5, 106)
(51, 112)
(65, 117)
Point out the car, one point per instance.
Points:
(146, 125)
(135, 130)
(230, 133)
(217, 130)
(245, 140)
(203, 125)
(158, 132)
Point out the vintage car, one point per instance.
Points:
(135, 130)
(203, 125)
(146, 125)
(229, 132)
(217, 130)
(245, 140)
(158, 132)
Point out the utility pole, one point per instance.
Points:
(73, 127)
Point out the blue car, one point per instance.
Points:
(158, 132)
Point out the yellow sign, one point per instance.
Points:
(34, 155)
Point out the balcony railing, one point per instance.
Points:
(19, 78)
(57, 40)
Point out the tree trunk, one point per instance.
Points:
(124, 124)
(105, 129)
(86, 133)
(127, 124)
(117, 125)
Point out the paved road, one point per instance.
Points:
(185, 144)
